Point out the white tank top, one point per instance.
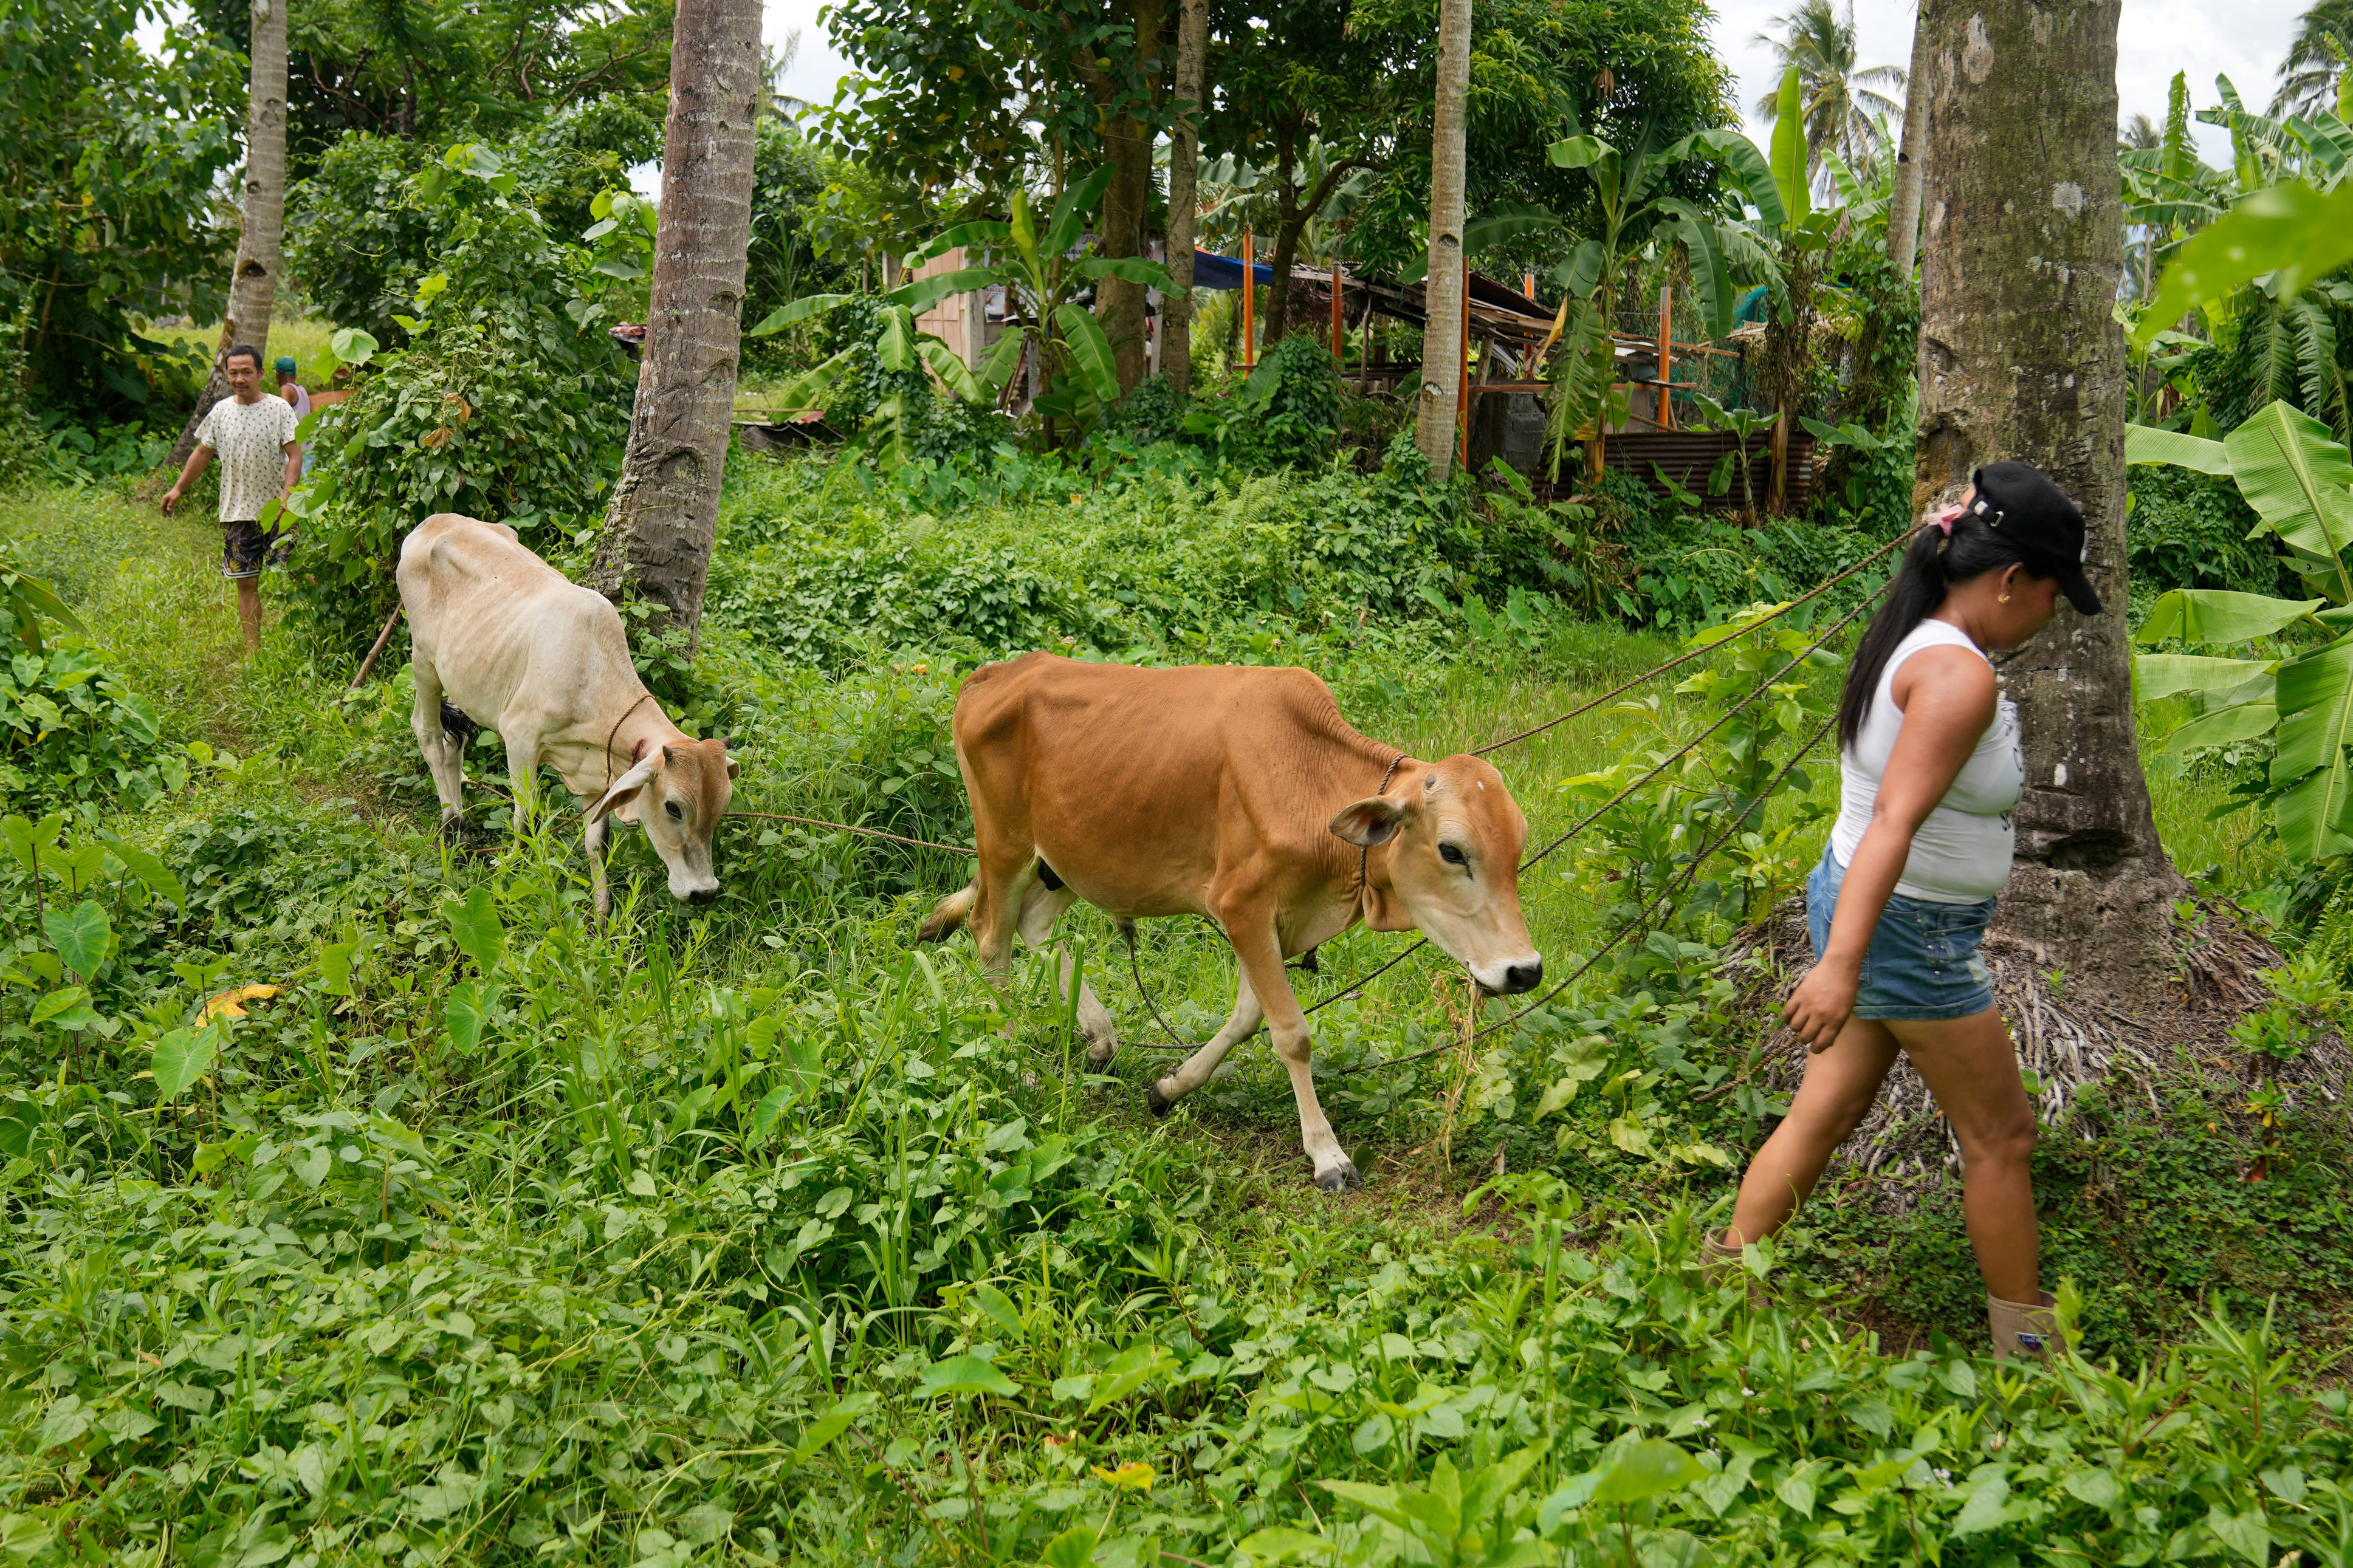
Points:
(1961, 853)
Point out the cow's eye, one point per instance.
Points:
(675, 815)
(1451, 855)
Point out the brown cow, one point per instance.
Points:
(1239, 793)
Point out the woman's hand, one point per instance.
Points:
(1819, 1008)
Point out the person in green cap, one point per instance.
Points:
(291, 391)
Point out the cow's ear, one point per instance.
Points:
(732, 767)
(625, 788)
(1370, 821)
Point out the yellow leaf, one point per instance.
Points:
(227, 1003)
(1133, 1477)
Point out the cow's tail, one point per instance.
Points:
(948, 914)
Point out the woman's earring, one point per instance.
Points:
(2003, 600)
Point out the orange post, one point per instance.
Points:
(1250, 294)
(1339, 339)
(1666, 358)
(1462, 392)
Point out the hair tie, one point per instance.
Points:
(1944, 521)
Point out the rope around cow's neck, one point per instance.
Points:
(643, 697)
(1365, 851)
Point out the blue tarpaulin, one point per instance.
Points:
(1224, 272)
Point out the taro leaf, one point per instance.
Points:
(962, 1375)
(468, 1013)
(2248, 1534)
(181, 1059)
(60, 1004)
(149, 868)
(831, 1425)
(991, 1301)
(1129, 1371)
(80, 936)
(475, 923)
(1074, 1548)
(1646, 1469)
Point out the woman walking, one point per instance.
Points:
(1929, 773)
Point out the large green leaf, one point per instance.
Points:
(2146, 444)
(1023, 228)
(80, 936)
(961, 1376)
(2223, 726)
(1646, 1469)
(925, 292)
(1582, 269)
(1504, 222)
(2291, 231)
(183, 1057)
(1134, 268)
(474, 922)
(1791, 176)
(1090, 349)
(895, 349)
(801, 309)
(980, 231)
(1577, 152)
(2316, 705)
(2159, 674)
(2300, 480)
(805, 394)
(998, 368)
(466, 1016)
(1711, 277)
(952, 371)
(149, 869)
(1748, 167)
(831, 1425)
(2220, 616)
(1070, 219)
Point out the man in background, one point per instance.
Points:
(298, 400)
(260, 462)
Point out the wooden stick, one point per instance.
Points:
(381, 638)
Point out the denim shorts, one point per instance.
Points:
(1922, 963)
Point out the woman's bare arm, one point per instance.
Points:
(1948, 695)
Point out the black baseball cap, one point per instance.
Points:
(2019, 501)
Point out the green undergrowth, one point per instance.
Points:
(755, 1235)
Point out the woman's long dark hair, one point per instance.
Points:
(1932, 567)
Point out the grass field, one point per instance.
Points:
(757, 1235)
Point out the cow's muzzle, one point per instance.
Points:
(1524, 975)
(702, 895)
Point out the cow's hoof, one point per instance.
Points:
(1098, 1054)
(1160, 1103)
(1339, 1178)
(453, 832)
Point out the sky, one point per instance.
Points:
(2243, 39)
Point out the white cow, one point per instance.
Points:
(520, 648)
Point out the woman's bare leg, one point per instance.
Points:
(1971, 1067)
(1836, 1093)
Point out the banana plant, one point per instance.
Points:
(2299, 481)
(1637, 212)
(1042, 277)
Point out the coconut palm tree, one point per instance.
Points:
(2316, 60)
(1843, 104)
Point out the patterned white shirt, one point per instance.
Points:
(249, 440)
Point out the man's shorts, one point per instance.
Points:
(245, 546)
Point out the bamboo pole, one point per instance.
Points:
(1666, 357)
(1250, 295)
(1339, 330)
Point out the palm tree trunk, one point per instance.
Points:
(2020, 358)
(1443, 288)
(1127, 146)
(656, 542)
(1184, 195)
(1904, 203)
(253, 278)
